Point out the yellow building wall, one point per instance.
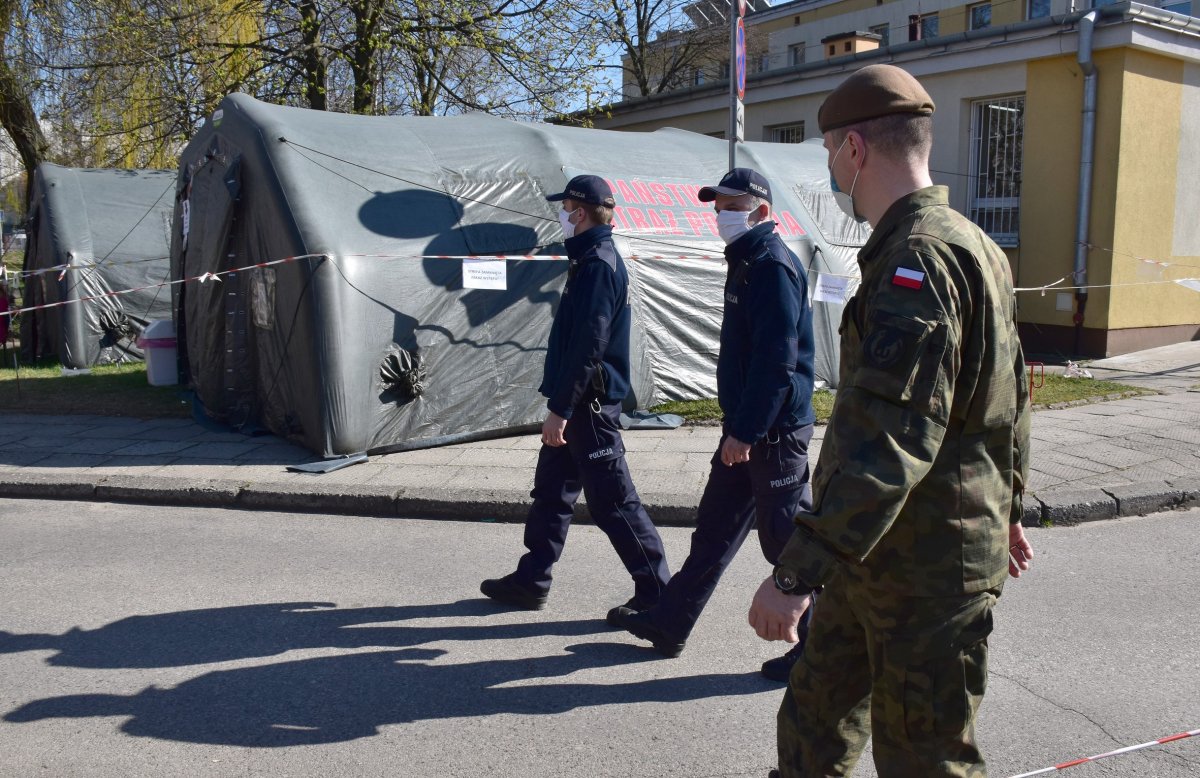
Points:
(1133, 192)
(952, 20)
(705, 123)
(1050, 183)
(1008, 13)
(1145, 199)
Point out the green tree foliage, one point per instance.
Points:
(126, 82)
(663, 43)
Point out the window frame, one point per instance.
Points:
(971, 15)
(918, 23)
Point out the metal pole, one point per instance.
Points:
(1087, 147)
(733, 79)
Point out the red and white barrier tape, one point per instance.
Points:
(91, 267)
(201, 278)
(1118, 752)
(216, 276)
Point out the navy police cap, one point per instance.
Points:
(739, 181)
(586, 189)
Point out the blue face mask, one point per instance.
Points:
(844, 200)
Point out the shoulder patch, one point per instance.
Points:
(884, 347)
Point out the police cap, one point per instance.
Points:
(874, 91)
(739, 181)
(592, 190)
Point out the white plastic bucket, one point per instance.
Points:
(159, 344)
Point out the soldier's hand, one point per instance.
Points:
(552, 430)
(774, 614)
(734, 451)
(1020, 552)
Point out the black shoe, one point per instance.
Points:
(641, 625)
(780, 668)
(633, 605)
(509, 592)
(773, 774)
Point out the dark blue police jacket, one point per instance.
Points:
(588, 352)
(765, 368)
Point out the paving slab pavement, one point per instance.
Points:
(1124, 457)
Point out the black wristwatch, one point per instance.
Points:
(787, 582)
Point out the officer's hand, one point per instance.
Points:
(552, 430)
(1020, 552)
(774, 615)
(734, 451)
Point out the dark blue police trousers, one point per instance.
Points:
(767, 491)
(593, 461)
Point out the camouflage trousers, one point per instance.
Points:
(907, 672)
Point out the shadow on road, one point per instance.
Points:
(246, 631)
(339, 698)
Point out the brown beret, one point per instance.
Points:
(874, 91)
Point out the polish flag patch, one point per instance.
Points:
(913, 279)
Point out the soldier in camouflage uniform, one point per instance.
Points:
(917, 492)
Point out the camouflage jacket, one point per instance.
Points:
(927, 452)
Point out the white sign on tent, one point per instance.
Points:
(485, 274)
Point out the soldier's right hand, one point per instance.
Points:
(775, 614)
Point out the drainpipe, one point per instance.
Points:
(1087, 150)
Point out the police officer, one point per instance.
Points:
(759, 474)
(585, 379)
(917, 494)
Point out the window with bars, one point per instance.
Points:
(997, 132)
(786, 133)
(796, 54)
(884, 32)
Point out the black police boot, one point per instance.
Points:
(633, 605)
(642, 625)
(508, 591)
(780, 668)
(773, 774)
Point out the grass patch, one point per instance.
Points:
(1056, 390)
(1059, 390)
(110, 390)
(697, 411)
(692, 411)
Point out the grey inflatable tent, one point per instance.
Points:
(362, 336)
(112, 229)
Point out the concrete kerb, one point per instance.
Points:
(169, 491)
(1061, 506)
(1069, 506)
(335, 499)
(47, 486)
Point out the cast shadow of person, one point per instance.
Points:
(247, 631)
(341, 698)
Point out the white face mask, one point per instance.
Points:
(845, 200)
(732, 225)
(564, 218)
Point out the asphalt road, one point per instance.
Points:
(151, 641)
